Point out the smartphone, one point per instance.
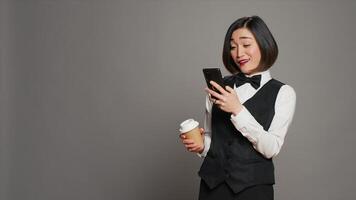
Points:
(213, 74)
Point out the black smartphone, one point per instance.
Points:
(213, 74)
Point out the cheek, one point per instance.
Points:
(233, 54)
(255, 53)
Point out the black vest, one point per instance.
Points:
(231, 156)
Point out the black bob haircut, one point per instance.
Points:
(264, 38)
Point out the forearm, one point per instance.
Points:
(207, 128)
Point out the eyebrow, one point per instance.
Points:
(245, 37)
(242, 37)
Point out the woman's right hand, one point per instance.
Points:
(190, 145)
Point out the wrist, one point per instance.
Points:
(237, 110)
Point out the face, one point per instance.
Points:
(245, 51)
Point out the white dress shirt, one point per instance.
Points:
(268, 143)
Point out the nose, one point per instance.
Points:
(239, 52)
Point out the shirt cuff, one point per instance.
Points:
(242, 121)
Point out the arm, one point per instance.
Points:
(268, 143)
(207, 127)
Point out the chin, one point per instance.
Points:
(245, 71)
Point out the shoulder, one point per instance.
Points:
(276, 83)
(284, 88)
(286, 93)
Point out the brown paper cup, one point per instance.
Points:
(190, 128)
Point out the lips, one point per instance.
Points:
(244, 61)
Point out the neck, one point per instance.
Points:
(253, 73)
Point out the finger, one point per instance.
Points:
(190, 150)
(182, 136)
(220, 103)
(188, 141)
(210, 98)
(215, 94)
(229, 89)
(193, 149)
(201, 130)
(196, 148)
(190, 146)
(218, 87)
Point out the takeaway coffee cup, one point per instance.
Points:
(190, 128)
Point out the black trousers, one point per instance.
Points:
(224, 192)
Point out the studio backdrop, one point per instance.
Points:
(93, 92)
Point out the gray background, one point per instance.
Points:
(92, 93)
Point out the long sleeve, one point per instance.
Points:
(268, 143)
(207, 127)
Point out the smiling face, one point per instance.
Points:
(245, 51)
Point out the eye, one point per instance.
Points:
(232, 48)
(246, 45)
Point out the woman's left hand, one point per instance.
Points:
(227, 100)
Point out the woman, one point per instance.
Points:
(247, 121)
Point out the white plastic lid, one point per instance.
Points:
(188, 125)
